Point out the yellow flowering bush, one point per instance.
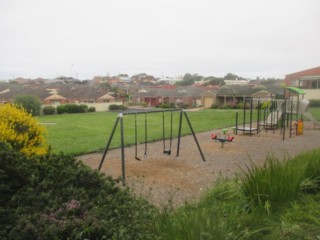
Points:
(19, 129)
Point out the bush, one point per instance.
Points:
(91, 109)
(21, 131)
(164, 105)
(117, 107)
(72, 108)
(57, 197)
(30, 103)
(49, 110)
(214, 106)
(314, 103)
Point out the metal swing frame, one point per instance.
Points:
(120, 120)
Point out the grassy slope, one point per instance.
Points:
(228, 212)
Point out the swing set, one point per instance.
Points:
(166, 151)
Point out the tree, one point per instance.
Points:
(231, 76)
(30, 103)
(21, 131)
(214, 81)
(189, 79)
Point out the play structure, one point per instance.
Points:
(166, 148)
(271, 115)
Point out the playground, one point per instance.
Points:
(163, 178)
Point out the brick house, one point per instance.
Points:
(309, 80)
(187, 96)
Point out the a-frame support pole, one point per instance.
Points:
(109, 142)
(122, 152)
(194, 136)
(179, 134)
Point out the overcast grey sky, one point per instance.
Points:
(86, 38)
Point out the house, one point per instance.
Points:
(59, 93)
(308, 80)
(235, 94)
(178, 96)
(236, 82)
(208, 98)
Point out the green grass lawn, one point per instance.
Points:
(89, 132)
(84, 133)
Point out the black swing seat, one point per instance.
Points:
(167, 152)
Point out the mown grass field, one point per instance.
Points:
(85, 133)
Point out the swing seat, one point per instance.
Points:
(167, 152)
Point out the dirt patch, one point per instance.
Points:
(161, 178)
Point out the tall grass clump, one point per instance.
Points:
(278, 182)
(310, 163)
(220, 214)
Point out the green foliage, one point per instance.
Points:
(214, 106)
(114, 107)
(220, 214)
(49, 110)
(266, 105)
(30, 103)
(91, 109)
(279, 182)
(270, 202)
(72, 108)
(214, 81)
(189, 79)
(164, 105)
(57, 197)
(276, 181)
(231, 76)
(314, 103)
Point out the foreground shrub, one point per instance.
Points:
(57, 197)
(278, 182)
(49, 110)
(21, 131)
(216, 216)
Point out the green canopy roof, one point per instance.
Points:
(297, 90)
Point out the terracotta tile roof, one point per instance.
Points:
(295, 76)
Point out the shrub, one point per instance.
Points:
(240, 105)
(214, 106)
(49, 110)
(30, 103)
(91, 109)
(314, 103)
(117, 107)
(60, 198)
(164, 105)
(21, 131)
(72, 108)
